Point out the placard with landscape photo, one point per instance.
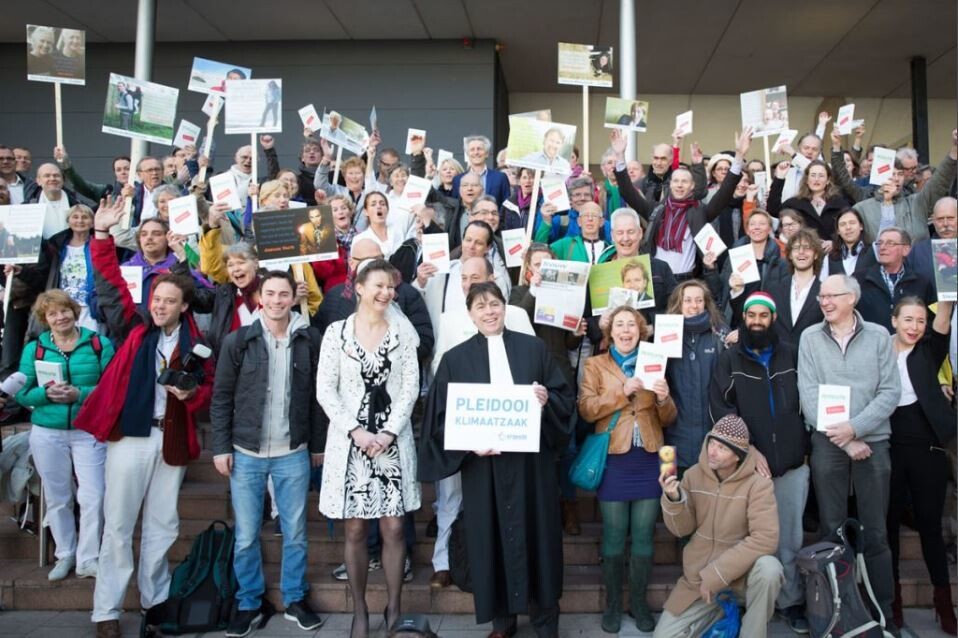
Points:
(140, 110)
(21, 231)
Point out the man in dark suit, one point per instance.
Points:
(795, 295)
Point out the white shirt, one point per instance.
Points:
(593, 249)
(56, 217)
(799, 296)
(165, 347)
(148, 209)
(499, 371)
(16, 191)
(908, 395)
(679, 262)
(390, 245)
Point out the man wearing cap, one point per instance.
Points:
(757, 380)
(734, 505)
(845, 350)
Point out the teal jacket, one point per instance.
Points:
(82, 369)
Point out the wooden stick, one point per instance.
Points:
(584, 159)
(768, 164)
(300, 277)
(253, 178)
(135, 157)
(6, 293)
(339, 158)
(208, 144)
(530, 224)
(58, 106)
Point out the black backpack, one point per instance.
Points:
(833, 571)
(202, 590)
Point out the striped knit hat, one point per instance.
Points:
(760, 298)
(732, 432)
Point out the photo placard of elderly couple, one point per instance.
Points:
(632, 273)
(585, 65)
(545, 146)
(56, 55)
(631, 115)
(140, 110)
(21, 231)
(254, 106)
(944, 255)
(295, 236)
(209, 76)
(342, 131)
(765, 110)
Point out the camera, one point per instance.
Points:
(191, 373)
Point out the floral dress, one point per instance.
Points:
(374, 486)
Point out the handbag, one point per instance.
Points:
(729, 625)
(589, 464)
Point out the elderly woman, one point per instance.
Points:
(368, 382)
(69, 59)
(59, 451)
(356, 173)
(67, 258)
(40, 56)
(612, 397)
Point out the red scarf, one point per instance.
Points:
(674, 224)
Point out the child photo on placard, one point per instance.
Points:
(56, 55)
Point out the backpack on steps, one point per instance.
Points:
(202, 589)
(833, 571)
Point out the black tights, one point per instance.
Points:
(357, 567)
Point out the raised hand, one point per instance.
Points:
(743, 141)
(109, 213)
(266, 141)
(618, 142)
(696, 151)
(824, 118)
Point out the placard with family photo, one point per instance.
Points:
(632, 115)
(254, 106)
(140, 110)
(585, 64)
(342, 131)
(765, 110)
(546, 146)
(56, 55)
(209, 76)
(632, 273)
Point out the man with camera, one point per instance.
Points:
(144, 408)
(266, 423)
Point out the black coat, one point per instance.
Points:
(220, 302)
(510, 501)
(766, 399)
(923, 363)
(823, 224)
(772, 269)
(876, 303)
(809, 315)
(557, 340)
(866, 259)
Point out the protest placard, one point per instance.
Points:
(545, 146)
(344, 132)
(184, 218)
(514, 245)
(186, 134)
(543, 115)
(310, 118)
(223, 190)
(765, 110)
(622, 297)
(560, 297)
(883, 165)
(56, 55)
(294, 235)
(708, 240)
(212, 105)
(834, 405)
(630, 115)
(631, 273)
(415, 141)
(435, 251)
(133, 276)
(784, 139)
(485, 416)
(742, 260)
(414, 193)
(944, 259)
(761, 181)
(668, 334)
(209, 76)
(845, 119)
(21, 231)
(48, 372)
(585, 65)
(442, 156)
(683, 123)
(140, 110)
(554, 191)
(650, 364)
(254, 106)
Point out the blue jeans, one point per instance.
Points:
(248, 486)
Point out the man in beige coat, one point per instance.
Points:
(730, 513)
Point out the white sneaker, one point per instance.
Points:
(62, 569)
(87, 569)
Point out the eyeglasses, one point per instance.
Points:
(889, 243)
(590, 216)
(824, 298)
(155, 169)
(7, 159)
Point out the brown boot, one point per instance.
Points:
(108, 629)
(896, 613)
(570, 519)
(945, 610)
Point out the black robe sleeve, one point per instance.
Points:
(435, 462)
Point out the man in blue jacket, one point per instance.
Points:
(494, 182)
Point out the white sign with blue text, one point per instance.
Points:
(484, 416)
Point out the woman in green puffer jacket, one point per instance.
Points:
(62, 366)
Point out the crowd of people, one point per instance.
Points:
(346, 367)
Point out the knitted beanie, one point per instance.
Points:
(732, 432)
(761, 299)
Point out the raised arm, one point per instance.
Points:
(840, 172)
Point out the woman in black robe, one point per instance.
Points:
(510, 500)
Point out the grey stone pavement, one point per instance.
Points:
(920, 623)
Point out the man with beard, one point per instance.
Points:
(757, 379)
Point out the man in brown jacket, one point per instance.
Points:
(734, 507)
